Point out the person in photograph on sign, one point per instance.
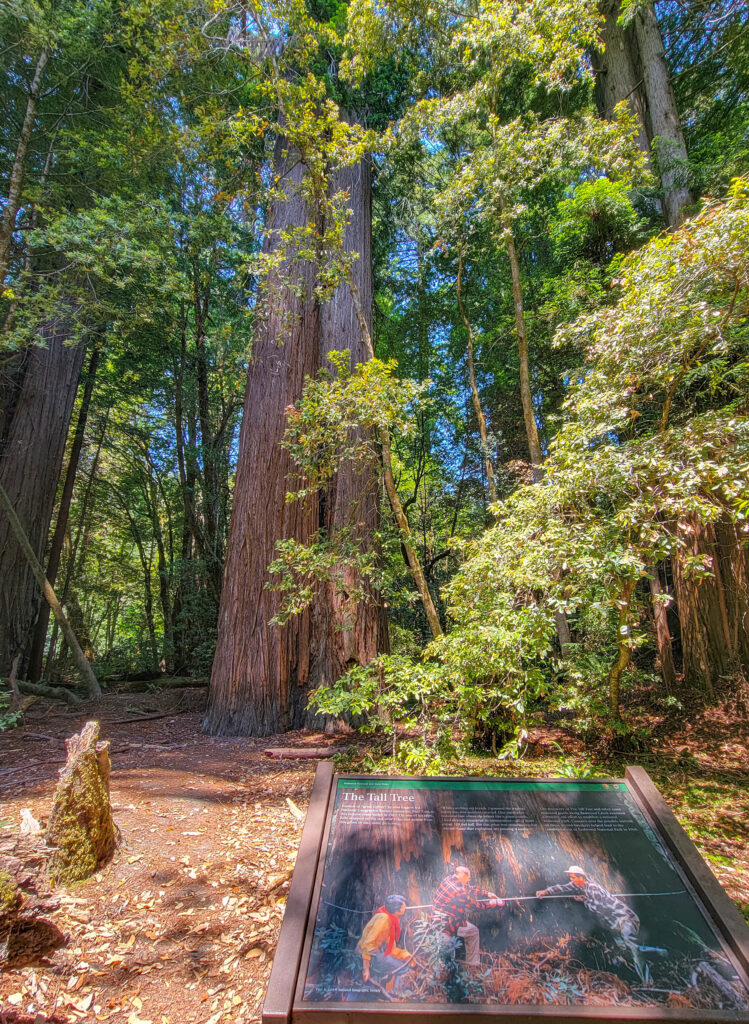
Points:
(382, 958)
(611, 910)
(452, 901)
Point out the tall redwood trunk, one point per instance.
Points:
(633, 68)
(713, 611)
(661, 113)
(616, 72)
(734, 565)
(29, 471)
(262, 673)
(704, 634)
(341, 635)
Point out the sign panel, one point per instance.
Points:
(550, 897)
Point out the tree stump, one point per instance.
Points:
(81, 830)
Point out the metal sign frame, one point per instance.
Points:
(284, 1003)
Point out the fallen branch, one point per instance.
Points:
(162, 683)
(32, 764)
(301, 752)
(147, 746)
(140, 718)
(53, 692)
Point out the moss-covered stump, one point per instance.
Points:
(81, 830)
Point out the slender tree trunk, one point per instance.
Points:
(75, 548)
(391, 490)
(29, 472)
(185, 465)
(474, 389)
(261, 671)
(665, 659)
(18, 171)
(163, 569)
(213, 553)
(563, 632)
(407, 537)
(147, 598)
(36, 655)
(79, 625)
(192, 537)
(35, 566)
(146, 561)
(526, 397)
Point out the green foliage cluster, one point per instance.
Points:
(637, 458)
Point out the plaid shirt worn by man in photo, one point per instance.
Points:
(612, 911)
(452, 901)
(608, 908)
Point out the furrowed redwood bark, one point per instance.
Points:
(616, 74)
(661, 114)
(342, 634)
(714, 609)
(261, 671)
(705, 654)
(35, 567)
(633, 68)
(665, 656)
(29, 471)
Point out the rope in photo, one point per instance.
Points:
(510, 899)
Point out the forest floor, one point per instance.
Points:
(181, 926)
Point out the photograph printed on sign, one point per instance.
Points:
(512, 893)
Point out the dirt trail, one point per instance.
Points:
(181, 926)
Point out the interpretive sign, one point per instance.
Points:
(513, 897)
